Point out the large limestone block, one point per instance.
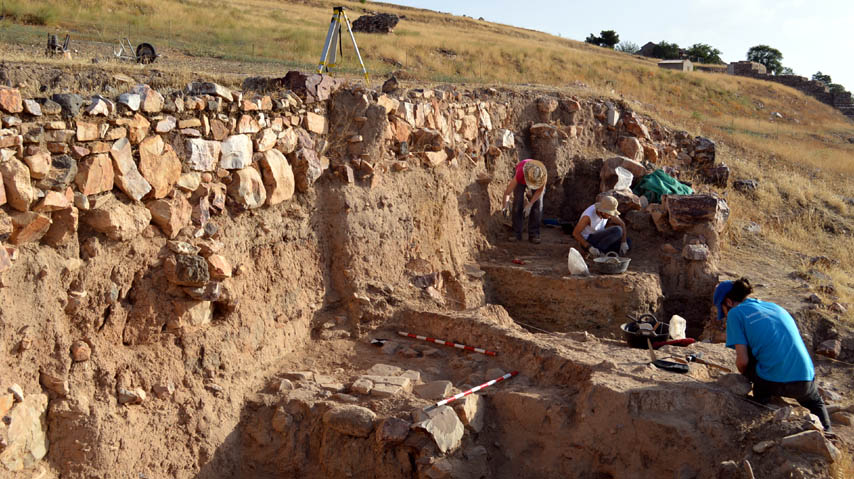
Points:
(236, 152)
(170, 214)
(28, 226)
(16, 181)
(350, 419)
(137, 127)
(95, 175)
(39, 164)
(151, 101)
(55, 201)
(444, 427)
(10, 100)
(247, 188)
(63, 228)
(203, 154)
(128, 177)
(634, 126)
(434, 390)
(686, 211)
(471, 410)
(631, 147)
(812, 442)
(307, 168)
(316, 123)
(119, 221)
(278, 177)
(159, 164)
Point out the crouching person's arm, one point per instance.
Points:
(742, 358)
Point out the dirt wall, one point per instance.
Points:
(162, 253)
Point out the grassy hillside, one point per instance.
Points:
(804, 161)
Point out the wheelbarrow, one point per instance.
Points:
(143, 53)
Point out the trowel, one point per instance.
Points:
(665, 365)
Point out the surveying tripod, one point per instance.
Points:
(328, 59)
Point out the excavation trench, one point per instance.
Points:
(579, 405)
(277, 376)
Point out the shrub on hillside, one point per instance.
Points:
(628, 47)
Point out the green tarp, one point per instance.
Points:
(660, 183)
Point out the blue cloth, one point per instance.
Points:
(772, 336)
(721, 291)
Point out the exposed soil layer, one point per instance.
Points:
(385, 238)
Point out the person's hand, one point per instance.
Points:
(527, 210)
(624, 248)
(594, 251)
(506, 209)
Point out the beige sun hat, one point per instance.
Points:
(535, 174)
(607, 205)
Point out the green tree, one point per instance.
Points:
(609, 38)
(787, 71)
(836, 88)
(606, 38)
(770, 57)
(702, 53)
(819, 76)
(593, 40)
(666, 51)
(628, 47)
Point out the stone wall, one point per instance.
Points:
(816, 89)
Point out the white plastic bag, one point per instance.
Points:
(576, 263)
(624, 178)
(677, 327)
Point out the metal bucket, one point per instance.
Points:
(611, 264)
(636, 336)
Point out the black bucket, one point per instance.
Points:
(636, 337)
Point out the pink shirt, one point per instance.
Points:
(520, 174)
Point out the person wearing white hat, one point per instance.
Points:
(595, 232)
(530, 175)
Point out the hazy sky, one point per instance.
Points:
(813, 35)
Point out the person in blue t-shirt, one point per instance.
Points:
(769, 349)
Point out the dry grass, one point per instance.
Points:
(804, 162)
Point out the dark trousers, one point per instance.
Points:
(607, 240)
(519, 215)
(805, 392)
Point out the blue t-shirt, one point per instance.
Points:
(773, 337)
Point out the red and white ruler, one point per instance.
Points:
(472, 390)
(448, 343)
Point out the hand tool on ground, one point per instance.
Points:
(448, 343)
(472, 390)
(661, 364)
(693, 358)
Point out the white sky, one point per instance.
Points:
(812, 35)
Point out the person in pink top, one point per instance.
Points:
(530, 177)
